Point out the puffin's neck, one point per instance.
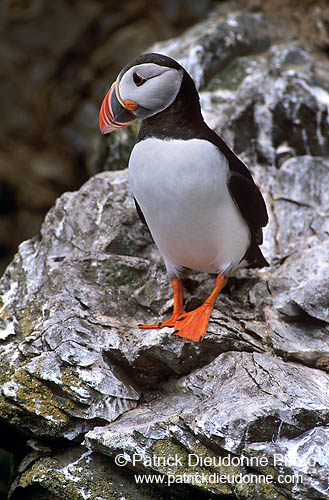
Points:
(181, 120)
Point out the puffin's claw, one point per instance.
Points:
(190, 325)
(162, 324)
(194, 324)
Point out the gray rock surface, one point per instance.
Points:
(83, 385)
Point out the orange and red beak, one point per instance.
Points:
(114, 112)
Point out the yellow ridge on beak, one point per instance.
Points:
(131, 105)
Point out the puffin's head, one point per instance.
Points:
(146, 86)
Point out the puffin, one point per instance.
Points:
(198, 199)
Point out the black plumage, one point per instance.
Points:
(186, 111)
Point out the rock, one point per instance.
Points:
(63, 471)
(301, 183)
(97, 400)
(202, 409)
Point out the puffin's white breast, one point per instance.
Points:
(181, 187)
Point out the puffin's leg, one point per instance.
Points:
(193, 325)
(178, 312)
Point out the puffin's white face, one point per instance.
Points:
(140, 92)
(151, 86)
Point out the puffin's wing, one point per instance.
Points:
(243, 190)
(248, 199)
(139, 211)
(250, 202)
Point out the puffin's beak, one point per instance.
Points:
(115, 113)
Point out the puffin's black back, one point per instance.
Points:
(183, 120)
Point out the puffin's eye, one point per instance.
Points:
(138, 80)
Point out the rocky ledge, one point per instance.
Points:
(88, 401)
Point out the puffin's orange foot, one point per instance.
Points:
(194, 324)
(190, 325)
(171, 322)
